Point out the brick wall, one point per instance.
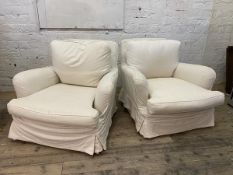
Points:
(24, 46)
(220, 35)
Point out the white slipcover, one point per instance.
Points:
(176, 100)
(153, 59)
(81, 62)
(173, 95)
(65, 115)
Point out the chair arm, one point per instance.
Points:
(197, 74)
(135, 85)
(30, 81)
(106, 90)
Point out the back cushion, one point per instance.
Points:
(81, 62)
(154, 58)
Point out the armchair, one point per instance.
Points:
(68, 105)
(162, 95)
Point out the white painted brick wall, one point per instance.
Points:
(219, 37)
(24, 46)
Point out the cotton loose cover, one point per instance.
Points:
(81, 62)
(177, 101)
(65, 115)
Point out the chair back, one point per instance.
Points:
(83, 62)
(154, 57)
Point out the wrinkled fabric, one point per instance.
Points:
(61, 103)
(168, 105)
(63, 136)
(154, 58)
(154, 125)
(30, 81)
(63, 115)
(197, 74)
(173, 95)
(81, 62)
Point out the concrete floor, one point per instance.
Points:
(203, 151)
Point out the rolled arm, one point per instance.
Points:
(30, 81)
(135, 85)
(106, 90)
(197, 74)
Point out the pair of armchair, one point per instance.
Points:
(70, 105)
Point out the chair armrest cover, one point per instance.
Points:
(197, 74)
(31, 81)
(106, 90)
(135, 85)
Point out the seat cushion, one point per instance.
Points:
(81, 62)
(171, 95)
(61, 103)
(154, 58)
